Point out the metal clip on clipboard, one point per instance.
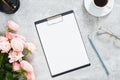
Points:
(55, 20)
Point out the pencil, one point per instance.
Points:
(93, 45)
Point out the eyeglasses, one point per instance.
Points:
(106, 36)
(103, 35)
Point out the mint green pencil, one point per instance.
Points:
(93, 45)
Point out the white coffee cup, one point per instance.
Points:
(99, 8)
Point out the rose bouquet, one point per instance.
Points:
(13, 52)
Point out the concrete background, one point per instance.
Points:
(34, 10)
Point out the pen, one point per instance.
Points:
(93, 45)
(10, 7)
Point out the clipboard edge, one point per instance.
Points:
(70, 70)
(45, 19)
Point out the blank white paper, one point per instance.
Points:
(63, 45)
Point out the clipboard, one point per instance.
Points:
(62, 43)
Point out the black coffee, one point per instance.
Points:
(100, 3)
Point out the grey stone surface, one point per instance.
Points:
(33, 10)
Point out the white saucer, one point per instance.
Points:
(98, 11)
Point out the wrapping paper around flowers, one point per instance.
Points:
(14, 50)
(109, 54)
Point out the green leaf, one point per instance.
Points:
(8, 67)
(22, 70)
(1, 74)
(1, 58)
(10, 30)
(1, 77)
(24, 78)
(17, 78)
(1, 71)
(9, 76)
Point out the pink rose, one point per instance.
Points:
(10, 35)
(20, 36)
(30, 76)
(26, 66)
(31, 47)
(16, 66)
(17, 44)
(2, 38)
(12, 26)
(15, 56)
(29, 70)
(5, 46)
